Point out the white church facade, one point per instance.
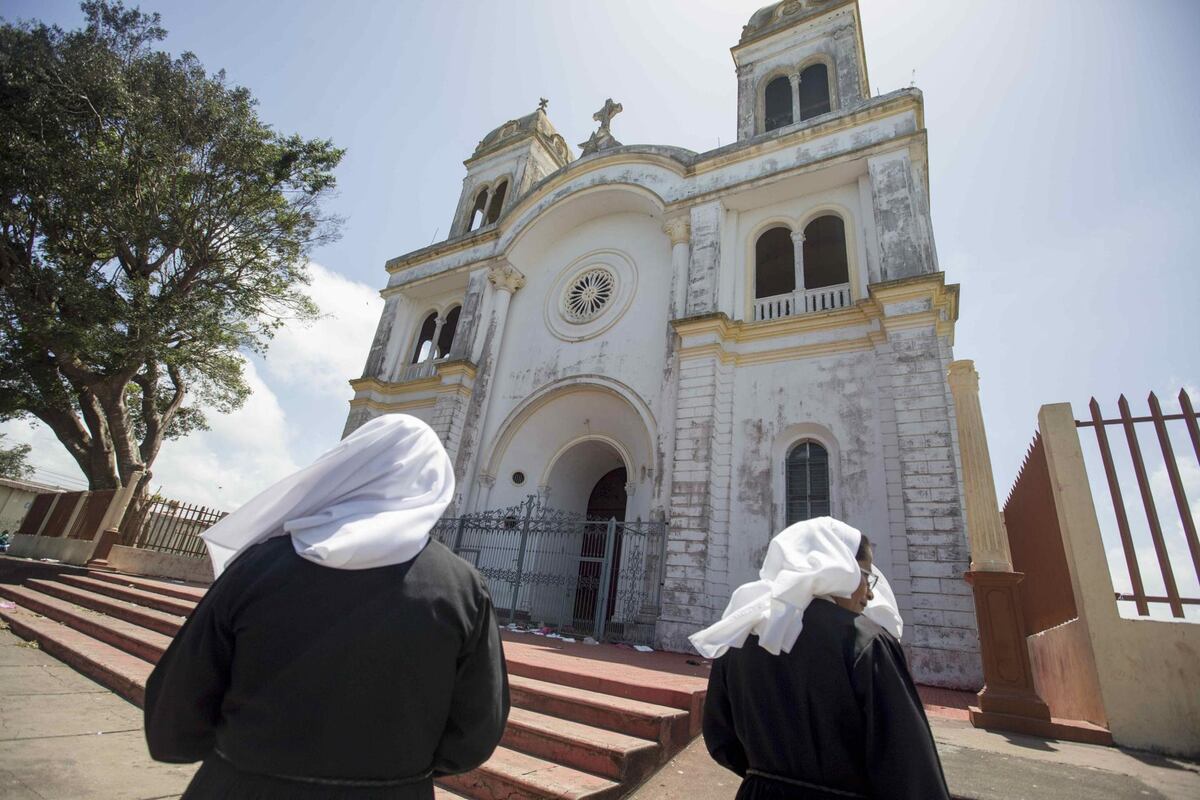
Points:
(723, 342)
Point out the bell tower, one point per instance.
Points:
(799, 60)
(506, 162)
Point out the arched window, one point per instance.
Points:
(825, 262)
(774, 263)
(806, 473)
(446, 337)
(477, 213)
(814, 91)
(497, 204)
(778, 101)
(425, 338)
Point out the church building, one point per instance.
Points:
(722, 343)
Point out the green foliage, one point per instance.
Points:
(152, 228)
(13, 461)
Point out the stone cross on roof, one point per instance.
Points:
(604, 116)
(542, 103)
(603, 138)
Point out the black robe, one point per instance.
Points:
(838, 714)
(288, 671)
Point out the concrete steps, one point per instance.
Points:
(580, 727)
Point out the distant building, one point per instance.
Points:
(728, 341)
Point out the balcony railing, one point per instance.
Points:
(805, 301)
(414, 372)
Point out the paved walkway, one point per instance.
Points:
(63, 737)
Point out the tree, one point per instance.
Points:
(153, 230)
(13, 461)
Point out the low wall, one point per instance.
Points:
(1064, 672)
(68, 551)
(160, 565)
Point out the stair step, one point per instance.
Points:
(602, 752)
(159, 621)
(171, 605)
(665, 726)
(180, 590)
(442, 793)
(510, 775)
(133, 639)
(585, 677)
(114, 669)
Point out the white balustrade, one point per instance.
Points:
(414, 372)
(806, 301)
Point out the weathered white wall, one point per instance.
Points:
(14, 503)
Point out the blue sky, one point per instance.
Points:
(1064, 169)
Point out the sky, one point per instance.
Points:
(1064, 174)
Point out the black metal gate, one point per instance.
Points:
(564, 571)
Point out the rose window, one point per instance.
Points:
(588, 294)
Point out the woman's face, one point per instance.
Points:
(857, 602)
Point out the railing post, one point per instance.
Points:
(512, 606)
(602, 591)
(462, 521)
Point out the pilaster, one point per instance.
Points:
(900, 217)
(704, 268)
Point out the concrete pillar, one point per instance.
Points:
(680, 232)
(989, 542)
(505, 280)
(109, 529)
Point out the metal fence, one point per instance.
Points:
(168, 526)
(564, 571)
(1170, 466)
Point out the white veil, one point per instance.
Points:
(814, 558)
(370, 501)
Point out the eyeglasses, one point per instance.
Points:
(870, 577)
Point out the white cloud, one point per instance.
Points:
(243, 453)
(322, 356)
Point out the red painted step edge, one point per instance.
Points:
(114, 669)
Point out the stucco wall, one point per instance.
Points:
(1064, 672)
(160, 565)
(68, 551)
(14, 503)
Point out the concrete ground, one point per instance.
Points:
(63, 737)
(981, 765)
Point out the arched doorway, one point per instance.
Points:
(606, 502)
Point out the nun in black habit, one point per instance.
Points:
(810, 694)
(341, 653)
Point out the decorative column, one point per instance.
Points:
(794, 79)
(437, 335)
(680, 232)
(1008, 700)
(798, 244)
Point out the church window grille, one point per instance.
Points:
(425, 339)
(814, 91)
(825, 260)
(497, 204)
(446, 337)
(477, 213)
(587, 295)
(807, 482)
(778, 103)
(774, 263)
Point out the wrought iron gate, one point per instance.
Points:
(565, 571)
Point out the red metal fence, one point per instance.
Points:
(1127, 423)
